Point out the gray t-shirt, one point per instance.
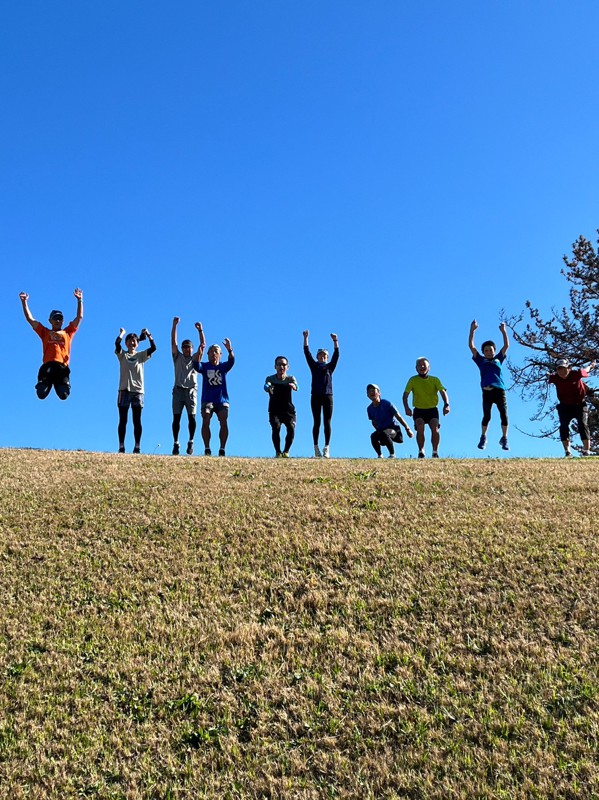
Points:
(132, 370)
(185, 375)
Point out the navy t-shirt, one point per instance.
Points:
(382, 415)
(214, 381)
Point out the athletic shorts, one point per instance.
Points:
(213, 408)
(426, 414)
(127, 399)
(185, 398)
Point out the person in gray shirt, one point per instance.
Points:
(185, 390)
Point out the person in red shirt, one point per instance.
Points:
(571, 394)
(56, 343)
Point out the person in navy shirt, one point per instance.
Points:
(321, 398)
(491, 381)
(383, 414)
(215, 398)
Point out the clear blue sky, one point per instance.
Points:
(385, 170)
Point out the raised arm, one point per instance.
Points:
(79, 316)
(24, 297)
(307, 353)
(506, 341)
(229, 349)
(202, 345)
(473, 327)
(174, 347)
(152, 347)
(117, 342)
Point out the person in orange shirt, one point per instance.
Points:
(56, 344)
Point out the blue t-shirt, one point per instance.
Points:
(490, 370)
(382, 415)
(214, 381)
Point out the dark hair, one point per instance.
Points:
(488, 343)
(278, 357)
(130, 336)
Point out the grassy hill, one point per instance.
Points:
(233, 628)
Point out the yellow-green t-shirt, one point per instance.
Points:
(425, 391)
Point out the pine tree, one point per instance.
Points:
(571, 332)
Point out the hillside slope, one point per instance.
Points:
(232, 628)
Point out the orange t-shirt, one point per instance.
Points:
(56, 344)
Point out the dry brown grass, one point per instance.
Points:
(195, 628)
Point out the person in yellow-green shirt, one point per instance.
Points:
(425, 390)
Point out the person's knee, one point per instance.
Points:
(419, 425)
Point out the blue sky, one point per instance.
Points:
(386, 170)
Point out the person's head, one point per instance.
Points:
(373, 393)
(489, 349)
(422, 366)
(322, 355)
(281, 366)
(131, 342)
(214, 354)
(56, 319)
(186, 347)
(562, 367)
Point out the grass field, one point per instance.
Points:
(233, 628)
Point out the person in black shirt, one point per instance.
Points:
(321, 400)
(281, 410)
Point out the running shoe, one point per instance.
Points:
(121, 448)
(136, 450)
(503, 443)
(176, 449)
(568, 454)
(317, 453)
(221, 452)
(285, 455)
(435, 454)
(586, 453)
(190, 448)
(325, 452)
(421, 454)
(207, 452)
(482, 442)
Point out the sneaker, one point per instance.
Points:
(317, 453)
(121, 448)
(567, 454)
(285, 455)
(221, 452)
(325, 452)
(136, 450)
(176, 449)
(503, 443)
(586, 453)
(379, 455)
(435, 454)
(279, 455)
(482, 442)
(207, 452)
(421, 454)
(190, 448)
(391, 455)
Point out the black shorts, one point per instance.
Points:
(426, 415)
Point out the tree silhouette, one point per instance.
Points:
(571, 332)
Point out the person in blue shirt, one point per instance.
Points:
(491, 381)
(215, 398)
(383, 414)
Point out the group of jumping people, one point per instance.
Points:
(424, 389)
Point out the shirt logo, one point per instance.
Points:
(215, 377)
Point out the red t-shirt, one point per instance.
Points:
(570, 390)
(56, 344)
